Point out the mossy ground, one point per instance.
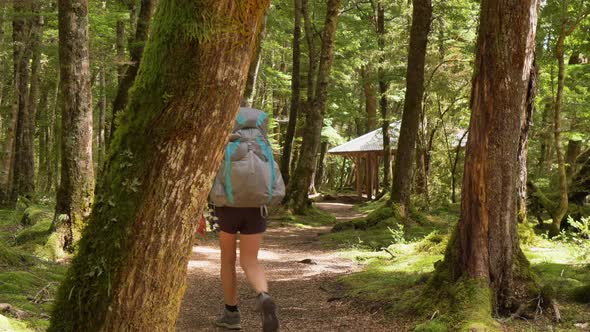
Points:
(27, 267)
(313, 217)
(396, 279)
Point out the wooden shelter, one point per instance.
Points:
(366, 153)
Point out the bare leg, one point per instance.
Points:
(249, 246)
(227, 243)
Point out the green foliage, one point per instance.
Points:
(25, 273)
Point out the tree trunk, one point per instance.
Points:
(311, 51)
(406, 147)
(295, 95)
(15, 156)
(3, 69)
(135, 50)
(383, 87)
(130, 271)
(102, 109)
(545, 137)
(76, 189)
(120, 46)
(27, 172)
(54, 140)
(319, 174)
(454, 171)
(370, 99)
(574, 147)
(581, 180)
(314, 115)
(44, 134)
(484, 249)
(562, 208)
(523, 145)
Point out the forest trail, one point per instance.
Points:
(296, 287)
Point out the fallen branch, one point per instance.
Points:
(8, 308)
(389, 252)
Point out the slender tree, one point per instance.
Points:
(406, 147)
(76, 189)
(484, 251)
(314, 116)
(567, 27)
(130, 270)
(383, 87)
(21, 57)
(295, 95)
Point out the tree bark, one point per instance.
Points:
(3, 68)
(406, 147)
(76, 189)
(54, 140)
(319, 174)
(102, 109)
(523, 145)
(383, 87)
(295, 95)
(120, 46)
(130, 271)
(370, 99)
(545, 138)
(44, 139)
(135, 50)
(314, 115)
(485, 246)
(14, 138)
(454, 170)
(562, 208)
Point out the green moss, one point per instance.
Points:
(33, 214)
(313, 217)
(435, 325)
(13, 325)
(36, 234)
(11, 257)
(582, 294)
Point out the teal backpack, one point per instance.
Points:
(248, 175)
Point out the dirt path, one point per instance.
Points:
(296, 287)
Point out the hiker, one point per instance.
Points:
(248, 181)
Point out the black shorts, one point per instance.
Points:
(244, 220)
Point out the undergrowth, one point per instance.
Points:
(29, 275)
(397, 271)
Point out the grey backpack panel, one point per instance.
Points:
(248, 175)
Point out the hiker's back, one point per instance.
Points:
(248, 175)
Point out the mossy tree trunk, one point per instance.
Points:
(314, 116)
(485, 246)
(76, 188)
(406, 147)
(130, 270)
(295, 95)
(136, 46)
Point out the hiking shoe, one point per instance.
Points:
(268, 312)
(229, 320)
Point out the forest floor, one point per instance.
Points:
(306, 293)
(364, 274)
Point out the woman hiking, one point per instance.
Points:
(247, 182)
